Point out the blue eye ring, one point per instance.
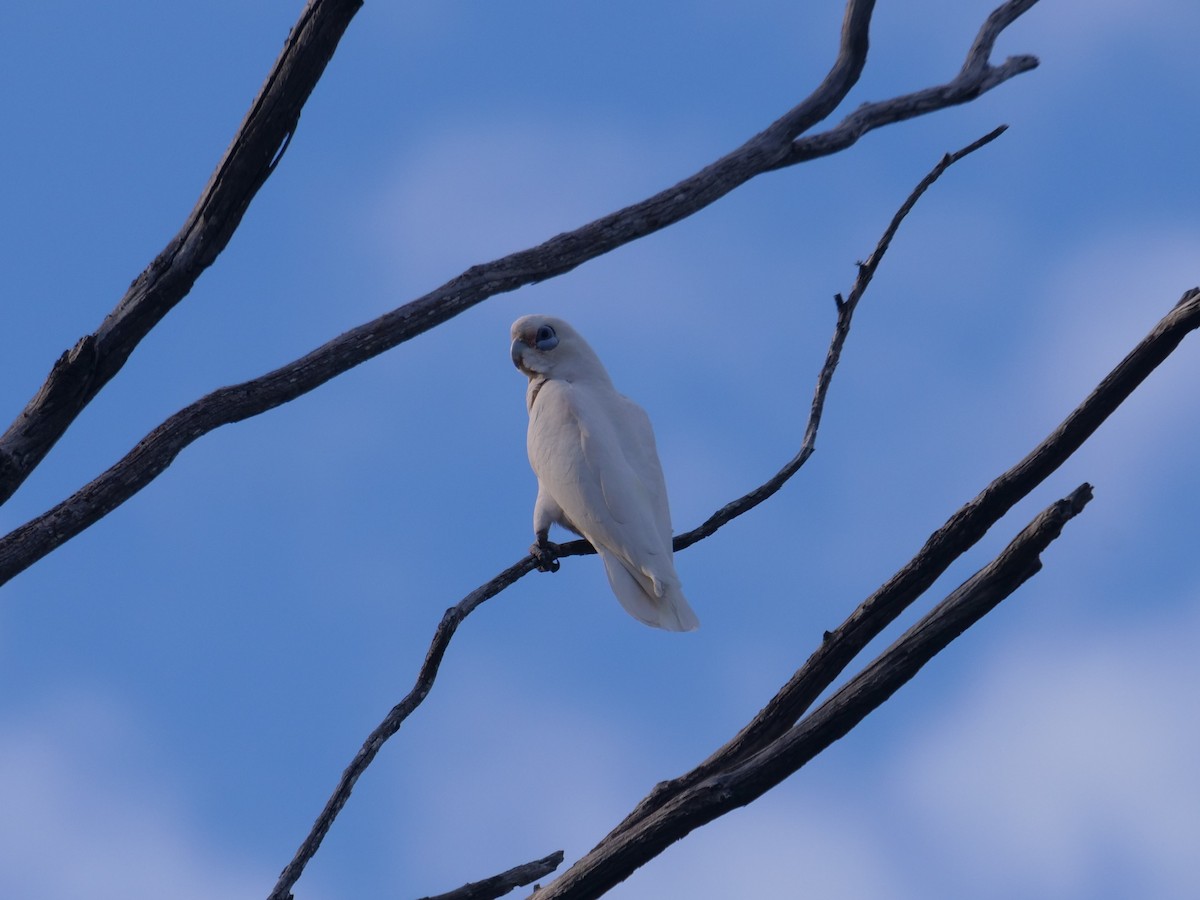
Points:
(545, 339)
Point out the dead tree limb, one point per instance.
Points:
(81, 372)
(625, 849)
(770, 149)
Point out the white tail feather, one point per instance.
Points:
(670, 611)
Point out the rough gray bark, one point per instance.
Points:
(81, 372)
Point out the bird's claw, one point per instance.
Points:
(545, 554)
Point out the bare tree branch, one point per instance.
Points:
(766, 151)
(499, 885)
(81, 372)
(976, 76)
(625, 849)
(455, 615)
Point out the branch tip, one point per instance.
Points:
(505, 882)
(1188, 296)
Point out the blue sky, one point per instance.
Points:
(184, 682)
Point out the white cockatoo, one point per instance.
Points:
(598, 473)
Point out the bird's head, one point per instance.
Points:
(545, 347)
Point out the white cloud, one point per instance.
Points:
(1095, 29)
(813, 849)
(1108, 293)
(80, 818)
(1103, 299)
(466, 196)
(1070, 770)
(507, 775)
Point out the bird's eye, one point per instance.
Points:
(546, 338)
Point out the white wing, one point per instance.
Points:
(594, 454)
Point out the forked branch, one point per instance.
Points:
(771, 149)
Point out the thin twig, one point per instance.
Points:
(391, 723)
(625, 849)
(766, 151)
(499, 885)
(845, 313)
